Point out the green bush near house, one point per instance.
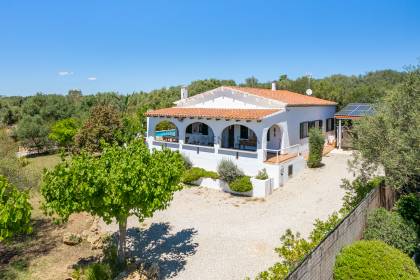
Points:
(373, 260)
(262, 175)
(316, 147)
(228, 171)
(196, 173)
(392, 229)
(241, 184)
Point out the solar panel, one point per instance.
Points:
(356, 110)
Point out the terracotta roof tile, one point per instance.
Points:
(239, 114)
(288, 97)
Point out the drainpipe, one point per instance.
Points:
(339, 134)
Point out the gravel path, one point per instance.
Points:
(207, 234)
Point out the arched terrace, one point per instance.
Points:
(199, 133)
(166, 131)
(239, 137)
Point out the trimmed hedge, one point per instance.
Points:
(316, 147)
(196, 173)
(373, 260)
(392, 229)
(241, 184)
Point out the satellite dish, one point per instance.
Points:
(309, 91)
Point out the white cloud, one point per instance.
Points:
(92, 78)
(65, 73)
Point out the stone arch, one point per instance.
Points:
(199, 133)
(166, 131)
(274, 137)
(238, 136)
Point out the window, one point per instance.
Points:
(306, 126)
(244, 132)
(204, 129)
(189, 129)
(330, 124)
(304, 129)
(268, 135)
(290, 170)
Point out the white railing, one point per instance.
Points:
(287, 150)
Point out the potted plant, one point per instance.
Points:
(262, 184)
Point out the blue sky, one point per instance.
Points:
(126, 46)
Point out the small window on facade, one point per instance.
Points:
(330, 124)
(268, 135)
(274, 131)
(290, 170)
(244, 132)
(304, 128)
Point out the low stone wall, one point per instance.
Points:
(319, 264)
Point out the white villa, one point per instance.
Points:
(255, 128)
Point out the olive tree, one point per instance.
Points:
(122, 181)
(15, 210)
(391, 137)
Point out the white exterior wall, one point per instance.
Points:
(288, 121)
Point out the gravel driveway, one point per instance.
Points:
(207, 234)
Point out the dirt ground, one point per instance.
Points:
(42, 254)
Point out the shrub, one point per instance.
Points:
(372, 260)
(408, 206)
(241, 184)
(95, 271)
(392, 229)
(196, 173)
(187, 161)
(316, 146)
(356, 191)
(262, 175)
(228, 171)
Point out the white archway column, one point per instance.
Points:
(262, 153)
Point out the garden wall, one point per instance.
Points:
(319, 264)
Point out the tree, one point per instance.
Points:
(391, 137)
(251, 82)
(15, 210)
(316, 147)
(63, 132)
(104, 124)
(32, 132)
(123, 181)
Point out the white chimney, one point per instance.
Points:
(273, 86)
(184, 92)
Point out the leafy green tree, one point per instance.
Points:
(33, 132)
(15, 210)
(103, 124)
(63, 132)
(122, 181)
(316, 147)
(391, 137)
(408, 206)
